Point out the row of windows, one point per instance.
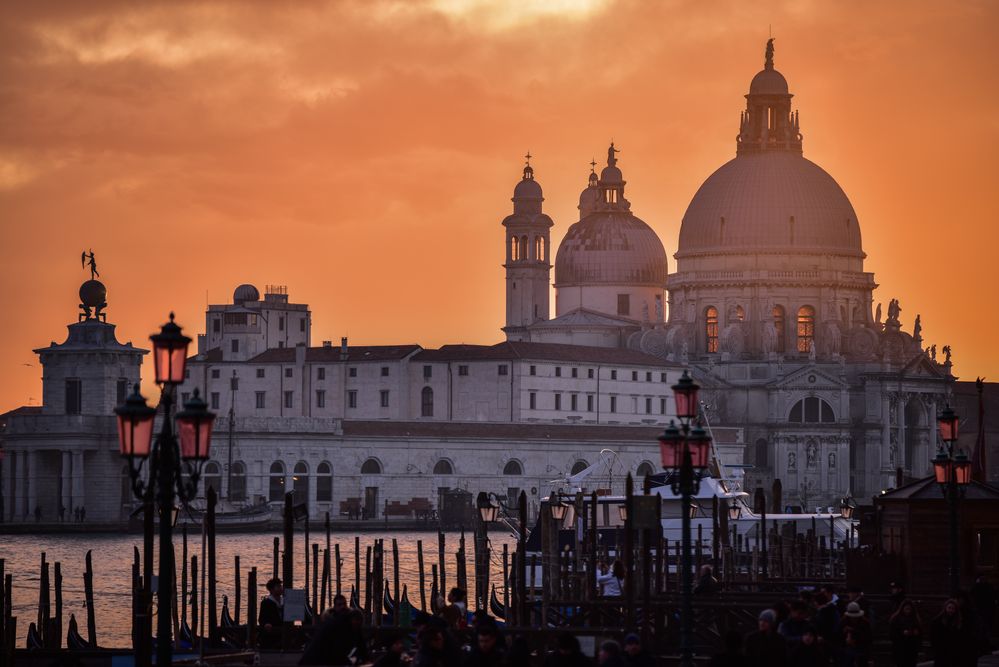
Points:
(519, 248)
(260, 398)
(244, 319)
(573, 403)
(805, 332)
(290, 372)
(74, 394)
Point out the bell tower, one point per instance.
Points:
(528, 257)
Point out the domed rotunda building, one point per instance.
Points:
(771, 307)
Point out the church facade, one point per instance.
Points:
(768, 306)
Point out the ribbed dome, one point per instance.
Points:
(768, 82)
(610, 247)
(758, 195)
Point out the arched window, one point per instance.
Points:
(212, 477)
(275, 488)
(645, 469)
(524, 248)
(762, 454)
(740, 314)
(780, 326)
(300, 482)
(237, 482)
(578, 467)
(806, 328)
(711, 328)
(514, 247)
(443, 467)
(539, 248)
(371, 467)
(811, 410)
(513, 467)
(324, 482)
(427, 402)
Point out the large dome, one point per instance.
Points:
(613, 248)
(769, 201)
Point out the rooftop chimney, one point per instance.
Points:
(343, 349)
(327, 343)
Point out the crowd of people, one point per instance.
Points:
(820, 628)
(816, 628)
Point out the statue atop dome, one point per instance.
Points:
(769, 63)
(611, 160)
(94, 274)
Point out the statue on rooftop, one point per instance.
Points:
(770, 54)
(611, 160)
(92, 262)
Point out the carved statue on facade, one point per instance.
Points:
(894, 310)
(946, 350)
(811, 350)
(917, 328)
(933, 352)
(811, 454)
(732, 339)
(659, 309)
(832, 460)
(833, 339)
(792, 461)
(645, 311)
(877, 315)
(769, 336)
(892, 450)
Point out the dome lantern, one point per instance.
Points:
(527, 194)
(768, 124)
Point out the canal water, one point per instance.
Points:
(112, 562)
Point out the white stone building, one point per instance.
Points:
(769, 307)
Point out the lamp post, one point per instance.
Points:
(952, 470)
(487, 514)
(685, 452)
(187, 448)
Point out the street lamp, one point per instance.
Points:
(952, 471)
(685, 451)
(559, 509)
(734, 511)
(487, 514)
(167, 454)
(487, 511)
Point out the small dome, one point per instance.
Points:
(611, 175)
(768, 82)
(527, 188)
(244, 293)
(613, 248)
(93, 293)
(588, 199)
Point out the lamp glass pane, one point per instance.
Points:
(962, 472)
(195, 437)
(670, 451)
(941, 469)
(135, 435)
(700, 452)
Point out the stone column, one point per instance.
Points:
(884, 461)
(31, 482)
(78, 496)
(15, 484)
(903, 400)
(66, 476)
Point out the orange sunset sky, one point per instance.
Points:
(364, 153)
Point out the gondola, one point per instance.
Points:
(388, 604)
(435, 607)
(185, 638)
(226, 621)
(354, 602)
(34, 638)
(495, 606)
(74, 642)
(405, 597)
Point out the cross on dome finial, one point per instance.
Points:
(593, 165)
(528, 170)
(769, 62)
